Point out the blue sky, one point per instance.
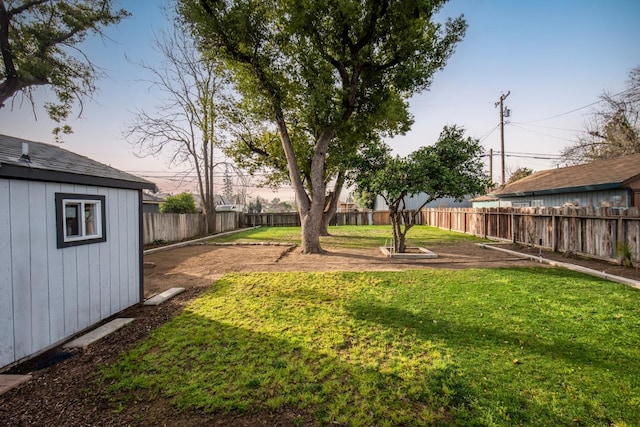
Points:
(554, 56)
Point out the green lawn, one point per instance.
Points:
(484, 347)
(349, 236)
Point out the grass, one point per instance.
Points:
(499, 347)
(349, 236)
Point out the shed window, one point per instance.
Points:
(80, 219)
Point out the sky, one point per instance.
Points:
(554, 58)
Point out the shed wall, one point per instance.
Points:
(48, 294)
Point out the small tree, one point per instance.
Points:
(450, 168)
(182, 203)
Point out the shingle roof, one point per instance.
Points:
(602, 174)
(51, 163)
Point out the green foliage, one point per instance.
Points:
(624, 250)
(502, 347)
(450, 168)
(322, 78)
(41, 46)
(519, 173)
(181, 203)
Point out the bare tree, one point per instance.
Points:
(614, 130)
(187, 123)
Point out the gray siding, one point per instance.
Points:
(415, 202)
(595, 199)
(49, 294)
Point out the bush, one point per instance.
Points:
(182, 203)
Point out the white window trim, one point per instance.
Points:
(83, 224)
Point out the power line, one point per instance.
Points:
(543, 134)
(546, 127)
(486, 135)
(576, 109)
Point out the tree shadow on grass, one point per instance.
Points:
(199, 364)
(460, 337)
(466, 335)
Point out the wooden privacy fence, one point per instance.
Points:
(292, 219)
(175, 227)
(593, 232)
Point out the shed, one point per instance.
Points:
(612, 183)
(72, 245)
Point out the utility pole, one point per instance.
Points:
(502, 111)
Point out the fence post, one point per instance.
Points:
(620, 237)
(554, 231)
(484, 224)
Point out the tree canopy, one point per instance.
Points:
(39, 44)
(452, 167)
(518, 174)
(324, 78)
(181, 203)
(613, 130)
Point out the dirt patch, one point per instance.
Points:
(65, 389)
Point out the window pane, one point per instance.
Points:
(71, 219)
(90, 227)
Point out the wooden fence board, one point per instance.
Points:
(588, 231)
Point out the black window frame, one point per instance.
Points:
(60, 219)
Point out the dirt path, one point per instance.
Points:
(200, 265)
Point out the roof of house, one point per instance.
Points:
(599, 175)
(152, 198)
(45, 162)
(484, 198)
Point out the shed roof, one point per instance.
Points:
(598, 175)
(47, 162)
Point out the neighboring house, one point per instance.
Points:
(151, 202)
(604, 183)
(488, 202)
(414, 202)
(71, 254)
(218, 200)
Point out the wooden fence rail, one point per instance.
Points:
(593, 232)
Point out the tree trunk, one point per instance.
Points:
(311, 224)
(331, 205)
(311, 208)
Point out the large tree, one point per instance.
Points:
(323, 71)
(187, 121)
(613, 130)
(39, 44)
(452, 167)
